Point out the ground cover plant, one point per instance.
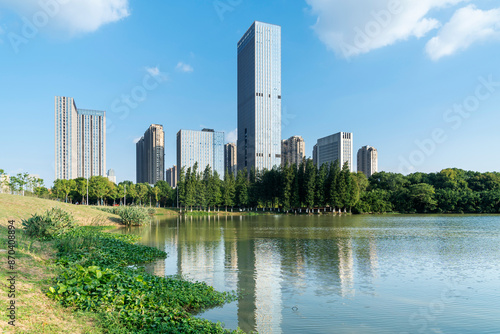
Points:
(98, 274)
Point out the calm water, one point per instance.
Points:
(357, 274)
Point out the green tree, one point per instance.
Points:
(332, 185)
(143, 190)
(321, 180)
(99, 187)
(181, 188)
(81, 188)
(165, 192)
(63, 188)
(228, 190)
(310, 183)
(214, 190)
(287, 187)
(422, 196)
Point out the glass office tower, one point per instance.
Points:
(206, 147)
(259, 97)
(336, 147)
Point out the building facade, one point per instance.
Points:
(150, 155)
(205, 147)
(92, 143)
(171, 176)
(259, 97)
(293, 150)
(337, 147)
(368, 160)
(66, 139)
(230, 158)
(80, 140)
(112, 175)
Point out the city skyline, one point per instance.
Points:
(398, 85)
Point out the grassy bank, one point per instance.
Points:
(87, 271)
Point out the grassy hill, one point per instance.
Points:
(22, 207)
(35, 269)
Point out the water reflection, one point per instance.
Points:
(312, 274)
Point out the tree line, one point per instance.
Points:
(290, 187)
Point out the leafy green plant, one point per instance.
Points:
(54, 222)
(133, 215)
(92, 246)
(139, 301)
(94, 277)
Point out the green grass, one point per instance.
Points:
(91, 259)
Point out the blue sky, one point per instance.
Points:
(418, 80)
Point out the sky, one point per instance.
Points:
(418, 80)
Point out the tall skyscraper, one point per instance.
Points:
(150, 155)
(206, 147)
(230, 158)
(368, 160)
(293, 150)
(80, 140)
(259, 97)
(171, 176)
(332, 148)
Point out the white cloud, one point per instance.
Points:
(467, 26)
(232, 136)
(350, 28)
(71, 16)
(155, 72)
(184, 67)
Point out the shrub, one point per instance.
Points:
(53, 223)
(133, 215)
(151, 211)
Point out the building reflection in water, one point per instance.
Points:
(268, 268)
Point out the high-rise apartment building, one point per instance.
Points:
(368, 160)
(293, 150)
(230, 158)
(332, 148)
(206, 147)
(259, 97)
(80, 140)
(92, 143)
(171, 176)
(150, 155)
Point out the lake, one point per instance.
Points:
(347, 274)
